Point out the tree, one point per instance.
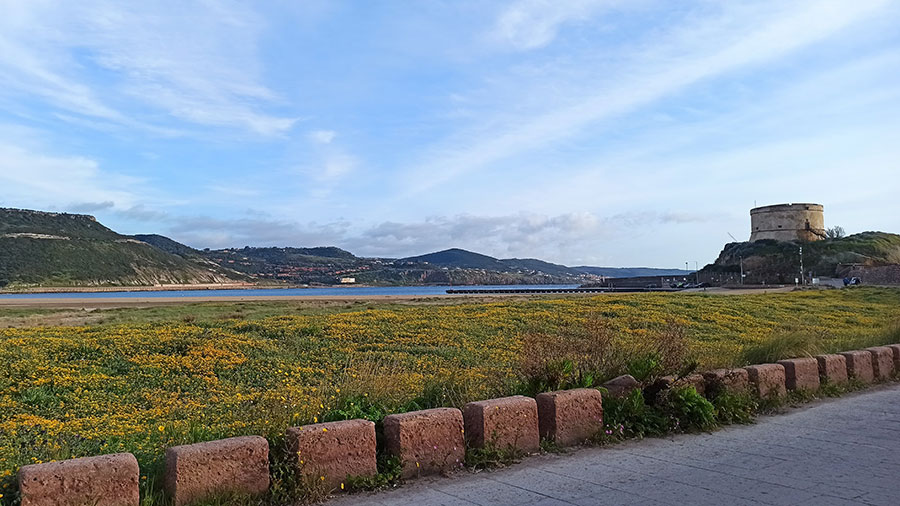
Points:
(835, 232)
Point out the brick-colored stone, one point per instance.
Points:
(427, 442)
(882, 362)
(570, 417)
(505, 422)
(234, 466)
(726, 380)
(107, 480)
(621, 386)
(859, 365)
(333, 450)
(832, 369)
(895, 349)
(801, 373)
(767, 380)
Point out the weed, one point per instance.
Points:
(690, 410)
(492, 456)
(735, 408)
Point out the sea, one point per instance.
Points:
(357, 291)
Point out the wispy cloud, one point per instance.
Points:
(707, 47)
(530, 24)
(97, 58)
(35, 179)
(322, 136)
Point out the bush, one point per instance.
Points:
(632, 417)
(690, 410)
(734, 408)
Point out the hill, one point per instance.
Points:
(773, 261)
(456, 258)
(61, 249)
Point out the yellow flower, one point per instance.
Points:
(162, 428)
(342, 486)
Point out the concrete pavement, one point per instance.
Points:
(841, 451)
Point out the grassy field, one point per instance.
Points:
(140, 380)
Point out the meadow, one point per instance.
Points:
(140, 380)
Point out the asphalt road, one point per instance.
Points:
(840, 451)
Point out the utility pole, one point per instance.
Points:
(742, 270)
(696, 272)
(801, 265)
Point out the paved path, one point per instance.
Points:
(843, 451)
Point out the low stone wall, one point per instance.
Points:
(429, 441)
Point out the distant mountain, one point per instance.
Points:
(58, 249)
(461, 259)
(61, 249)
(457, 258)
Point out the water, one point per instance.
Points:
(359, 291)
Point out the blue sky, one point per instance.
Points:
(598, 132)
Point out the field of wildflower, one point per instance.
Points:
(69, 391)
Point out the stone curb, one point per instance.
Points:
(332, 451)
(570, 417)
(234, 466)
(427, 442)
(507, 422)
(107, 480)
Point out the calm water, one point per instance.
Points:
(256, 292)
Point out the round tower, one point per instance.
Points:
(788, 222)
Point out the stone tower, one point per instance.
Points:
(788, 222)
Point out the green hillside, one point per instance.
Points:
(59, 249)
(773, 261)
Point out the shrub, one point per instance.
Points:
(734, 408)
(690, 410)
(632, 417)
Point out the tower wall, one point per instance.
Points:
(788, 222)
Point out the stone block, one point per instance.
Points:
(621, 386)
(695, 380)
(895, 349)
(334, 450)
(427, 442)
(801, 373)
(767, 380)
(107, 480)
(859, 365)
(505, 422)
(882, 362)
(202, 471)
(833, 369)
(570, 417)
(726, 380)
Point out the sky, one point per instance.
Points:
(584, 132)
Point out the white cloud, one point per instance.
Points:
(322, 136)
(98, 58)
(530, 24)
(707, 47)
(32, 180)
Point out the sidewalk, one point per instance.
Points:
(840, 451)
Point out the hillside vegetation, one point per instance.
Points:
(58, 249)
(773, 261)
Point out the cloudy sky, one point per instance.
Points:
(603, 132)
